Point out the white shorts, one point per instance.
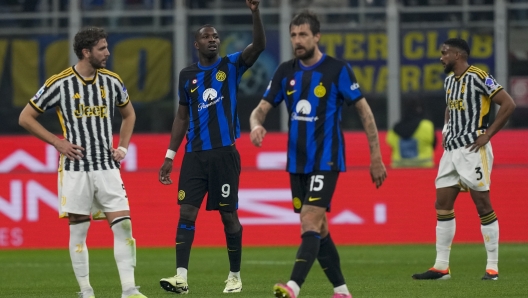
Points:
(466, 169)
(94, 192)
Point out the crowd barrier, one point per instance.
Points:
(401, 211)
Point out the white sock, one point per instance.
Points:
(234, 274)
(124, 251)
(182, 272)
(341, 289)
(445, 232)
(79, 254)
(294, 286)
(491, 242)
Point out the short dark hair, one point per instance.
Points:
(197, 32)
(458, 43)
(87, 38)
(307, 17)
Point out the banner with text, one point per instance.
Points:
(401, 211)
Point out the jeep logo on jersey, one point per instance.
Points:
(303, 108)
(209, 95)
(354, 86)
(91, 111)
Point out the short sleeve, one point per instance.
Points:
(348, 85)
(46, 97)
(182, 93)
(490, 86)
(122, 96)
(274, 94)
(236, 58)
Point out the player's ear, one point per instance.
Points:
(196, 45)
(317, 37)
(86, 53)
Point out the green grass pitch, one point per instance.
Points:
(370, 271)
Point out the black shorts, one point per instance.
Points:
(314, 189)
(215, 172)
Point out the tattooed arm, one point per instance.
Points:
(378, 172)
(256, 120)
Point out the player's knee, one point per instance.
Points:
(188, 212)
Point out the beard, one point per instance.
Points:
(307, 53)
(95, 63)
(449, 67)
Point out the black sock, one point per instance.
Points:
(234, 250)
(305, 256)
(184, 240)
(328, 257)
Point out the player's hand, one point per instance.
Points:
(165, 171)
(481, 140)
(71, 151)
(257, 135)
(118, 155)
(253, 4)
(378, 173)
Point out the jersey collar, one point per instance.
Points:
(312, 66)
(86, 82)
(210, 67)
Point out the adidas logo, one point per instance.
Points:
(77, 96)
(481, 184)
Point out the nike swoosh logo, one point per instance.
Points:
(192, 90)
(221, 204)
(179, 243)
(300, 260)
(232, 249)
(311, 199)
(290, 92)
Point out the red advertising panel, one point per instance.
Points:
(401, 211)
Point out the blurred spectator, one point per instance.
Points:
(413, 139)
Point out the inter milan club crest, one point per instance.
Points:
(320, 90)
(220, 76)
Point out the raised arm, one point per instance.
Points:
(179, 128)
(253, 50)
(256, 120)
(28, 120)
(378, 172)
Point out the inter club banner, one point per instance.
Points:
(401, 211)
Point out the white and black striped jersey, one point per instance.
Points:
(468, 99)
(85, 109)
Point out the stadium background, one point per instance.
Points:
(149, 47)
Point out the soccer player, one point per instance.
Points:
(86, 96)
(314, 87)
(468, 158)
(211, 164)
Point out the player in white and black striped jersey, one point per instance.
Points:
(468, 157)
(85, 97)
(85, 108)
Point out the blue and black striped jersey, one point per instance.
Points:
(314, 97)
(211, 94)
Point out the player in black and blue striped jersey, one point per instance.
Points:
(314, 87)
(208, 117)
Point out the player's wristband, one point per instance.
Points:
(256, 126)
(125, 150)
(444, 130)
(170, 154)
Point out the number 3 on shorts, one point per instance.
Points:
(226, 190)
(477, 170)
